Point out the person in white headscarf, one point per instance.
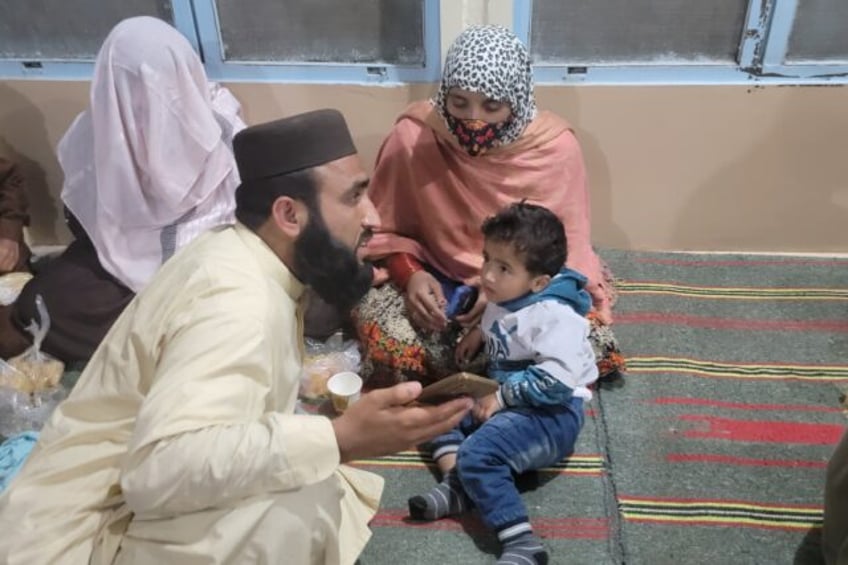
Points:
(148, 167)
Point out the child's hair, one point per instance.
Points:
(534, 232)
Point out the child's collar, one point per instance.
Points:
(523, 301)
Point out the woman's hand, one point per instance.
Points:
(425, 302)
(472, 317)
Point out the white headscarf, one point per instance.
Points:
(149, 165)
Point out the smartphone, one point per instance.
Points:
(458, 384)
(461, 301)
(460, 297)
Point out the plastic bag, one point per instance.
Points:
(22, 411)
(43, 370)
(323, 360)
(30, 383)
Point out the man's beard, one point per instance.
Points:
(329, 267)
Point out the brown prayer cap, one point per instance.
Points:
(291, 144)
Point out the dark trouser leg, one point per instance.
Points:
(82, 299)
(12, 340)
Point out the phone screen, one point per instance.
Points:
(461, 301)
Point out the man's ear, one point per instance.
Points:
(289, 215)
(539, 282)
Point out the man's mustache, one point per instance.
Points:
(364, 238)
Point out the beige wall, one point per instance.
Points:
(671, 167)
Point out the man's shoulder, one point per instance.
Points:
(215, 268)
(217, 254)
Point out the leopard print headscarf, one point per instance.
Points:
(491, 60)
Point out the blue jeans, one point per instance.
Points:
(511, 442)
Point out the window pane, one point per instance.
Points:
(67, 30)
(637, 31)
(323, 31)
(820, 32)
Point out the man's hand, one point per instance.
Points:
(425, 302)
(468, 346)
(474, 315)
(9, 255)
(380, 423)
(486, 407)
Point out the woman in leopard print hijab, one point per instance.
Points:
(449, 163)
(492, 61)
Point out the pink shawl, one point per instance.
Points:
(432, 197)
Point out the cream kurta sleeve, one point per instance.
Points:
(204, 435)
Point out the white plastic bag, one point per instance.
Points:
(30, 383)
(323, 360)
(43, 370)
(25, 411)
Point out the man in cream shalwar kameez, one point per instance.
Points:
(152, 381)
(180, 444)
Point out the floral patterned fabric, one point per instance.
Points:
(395, 351)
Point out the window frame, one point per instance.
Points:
(774, 57)
(309, 72)
(57, 69)
(762, 50)
(197, 21)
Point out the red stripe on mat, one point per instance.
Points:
(739, 262)
(743, 461)
(550, 528)
(666, 400)
(762, 431)
(731, 323)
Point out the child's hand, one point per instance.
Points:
(468, 346)
(473, 316)
(486, 407)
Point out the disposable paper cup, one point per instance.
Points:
(344, 389)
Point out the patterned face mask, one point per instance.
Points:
(476, 136)
(492, 61)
